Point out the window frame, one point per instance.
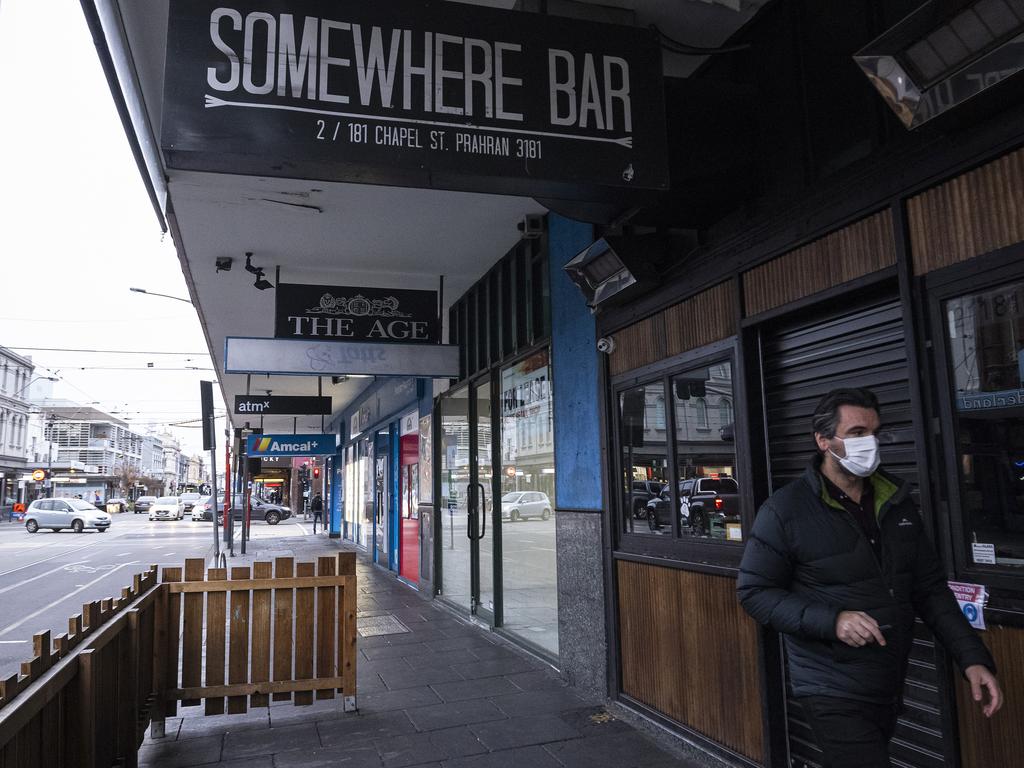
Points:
(977, 275)
(714, 554)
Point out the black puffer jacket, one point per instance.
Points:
(807, 559)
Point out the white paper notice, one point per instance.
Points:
(984, 554)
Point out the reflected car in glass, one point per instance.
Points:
(706, 506)
(189, 500)
(167, 508)
(203, 509)
(520, 505)
(57, 514)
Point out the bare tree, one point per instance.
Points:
(126, 475)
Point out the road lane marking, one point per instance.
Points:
(58, 601)
(33, 578)
(45, 559)
(12, 642)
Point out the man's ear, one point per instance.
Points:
(821, 441)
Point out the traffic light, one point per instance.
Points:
(316, 473)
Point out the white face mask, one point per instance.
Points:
(862, 457)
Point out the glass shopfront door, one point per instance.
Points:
(467, 500)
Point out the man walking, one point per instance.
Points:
(839, 563)
(317, 505)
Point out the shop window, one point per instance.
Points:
(985, 345)
(643, 458)
(708, 493)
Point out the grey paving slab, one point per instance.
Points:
(364, 729)
(412, 678)
(594, 721)
(462, 640)
(494, 652)
(182, 754)
(537, 681)
(319, 711)
(454, 713)
(512, 666)
(534, 757)
(616, 750)
(522, 731)
(474, 689)
(270, 741)
(538, 702)
(199, 725)
(417, 748)
(379, 652)
(259, 762)
(329, 757)
(401, 699)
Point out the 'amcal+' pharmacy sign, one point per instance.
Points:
(424, 94)
(290, 445)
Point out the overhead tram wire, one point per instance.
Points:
(104, 351)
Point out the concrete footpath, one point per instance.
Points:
(438, 693)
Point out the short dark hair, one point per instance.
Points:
(826, 413)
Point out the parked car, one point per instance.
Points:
(642, 491)
(706, 504)
(190, 499)
(167, 508)
(57, 514)
(143, 503)
(520, 505)
(120, 505)
(261, 509)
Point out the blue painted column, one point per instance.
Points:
(337, 494)
(574, 374)
(579, 507)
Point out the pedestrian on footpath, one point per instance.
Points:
(317, 505)
(838, 562)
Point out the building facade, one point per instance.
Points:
(16, 376)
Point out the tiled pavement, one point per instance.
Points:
(445, 694)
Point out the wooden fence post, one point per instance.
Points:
(87, 708)
(347, 629)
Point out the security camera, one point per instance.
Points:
(606, 344)
(532, 226)
(224, 263)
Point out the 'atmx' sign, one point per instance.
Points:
(290, 445)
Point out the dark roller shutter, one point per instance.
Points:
(803, 358)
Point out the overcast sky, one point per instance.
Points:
(77, 230)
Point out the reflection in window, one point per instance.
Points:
(643, 458)
(708, 494)
(985, 340)
(530, 595)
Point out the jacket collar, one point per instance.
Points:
(888, 488)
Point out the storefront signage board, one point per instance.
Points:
(971, 599)
(290, 445)
(339, 358)
(980, 401)
(345, 313)
(423, 94)
(274, 405)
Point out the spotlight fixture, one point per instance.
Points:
(261, 282)
(613, 264)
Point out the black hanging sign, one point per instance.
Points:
(268, 405)
(333, 313)
(425, 94)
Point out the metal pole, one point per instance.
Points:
(213, 498)
(245, 500)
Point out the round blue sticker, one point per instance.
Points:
(971, 612)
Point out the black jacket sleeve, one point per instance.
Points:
(765, 581)
(935, 604)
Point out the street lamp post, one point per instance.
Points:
(49, 459)
(164, 295)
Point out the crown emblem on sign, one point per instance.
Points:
(357, 306)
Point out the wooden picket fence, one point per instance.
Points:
(287, 629)
(83, 700)
(284, 630)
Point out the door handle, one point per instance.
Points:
(470, 509)
(483, 503)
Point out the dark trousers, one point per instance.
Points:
(318, 514)
(851, 734)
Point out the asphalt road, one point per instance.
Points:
(46, 577)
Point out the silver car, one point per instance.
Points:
(519, 505)
(57, 514)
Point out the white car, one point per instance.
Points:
(57, 514)
(167, 508)
(519, 505)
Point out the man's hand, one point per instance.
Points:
(856, 628)
(980, 678)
